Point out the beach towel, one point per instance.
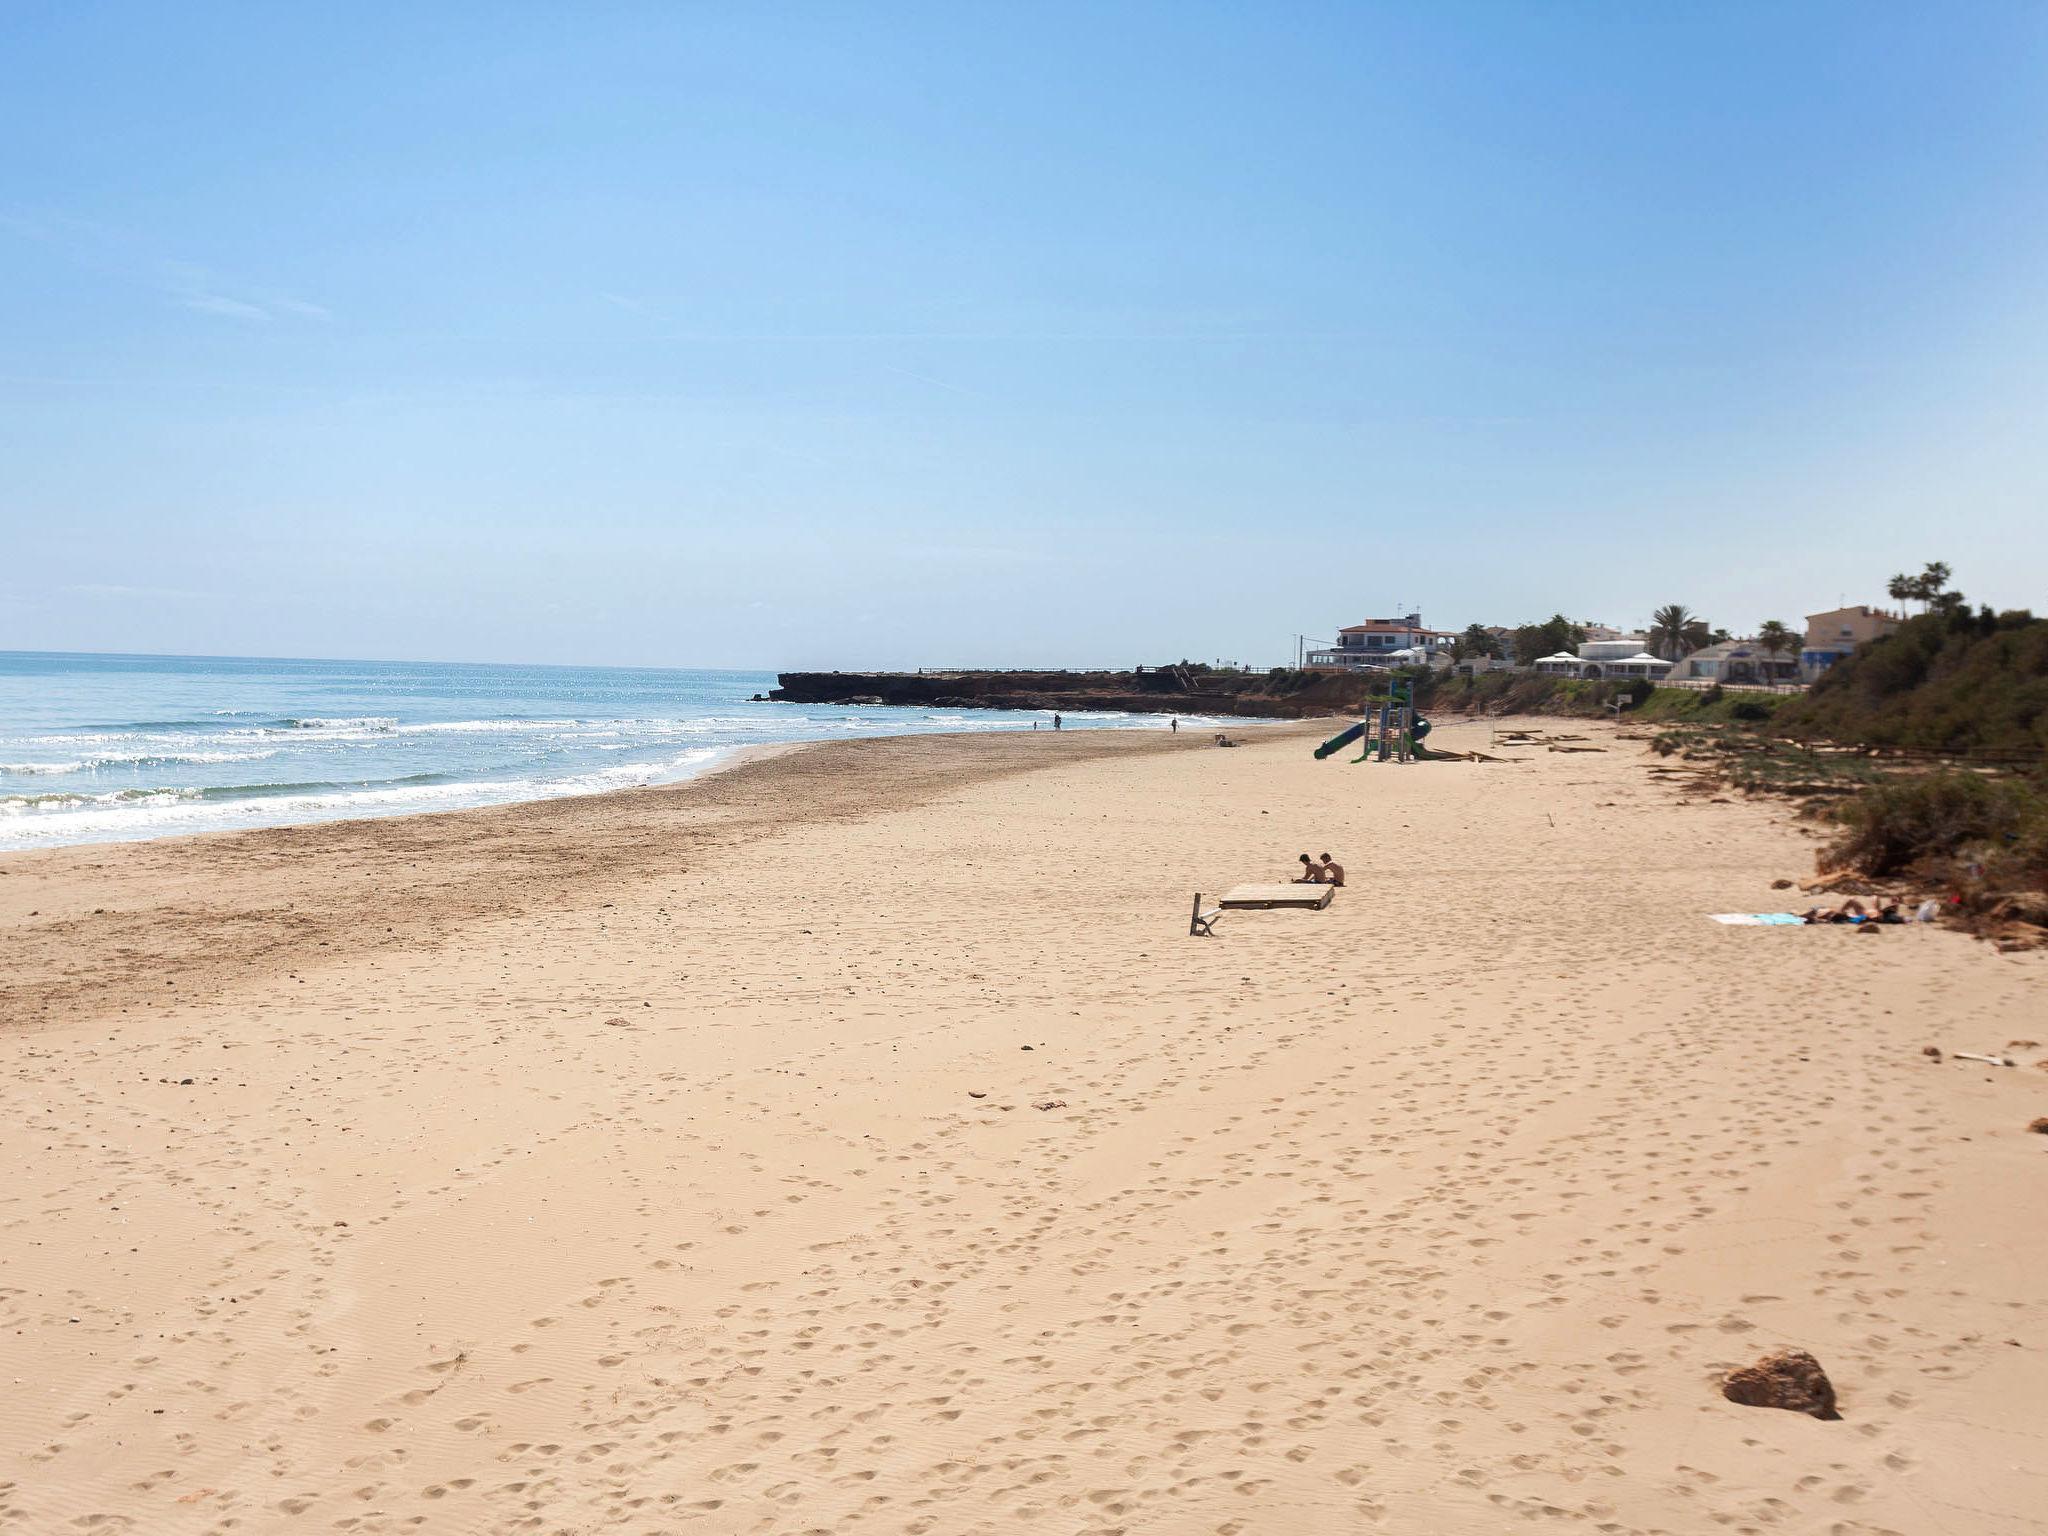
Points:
(1759, 919)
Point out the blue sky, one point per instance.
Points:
(791, 335)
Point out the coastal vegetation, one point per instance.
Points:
(1950, 680)
(1976, 832)
(1987, 830)
(1554, 634)
(1926, 750)
(1954, 705)
(1532, 693)
(1476, 642)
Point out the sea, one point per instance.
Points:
(104, 748)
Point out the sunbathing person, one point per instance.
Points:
(1850, 911)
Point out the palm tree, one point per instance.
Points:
(1926, 589)
(1676, 629)
(1775, 639)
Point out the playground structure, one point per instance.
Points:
(1399, 733)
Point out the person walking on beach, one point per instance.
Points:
(1333, 872)
(1055, 720)
(1175, 725)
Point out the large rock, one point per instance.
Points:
(1789, 1379)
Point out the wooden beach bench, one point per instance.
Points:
(1257, 898)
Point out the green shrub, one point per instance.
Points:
(1927, 817)
(1952, 681)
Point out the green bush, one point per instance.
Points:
(1953, 681)
(1529, 693)
(1704, 707)
(1938, 816)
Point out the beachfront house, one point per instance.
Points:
(1621, 657)
(1479, 666)
(1384, 643)
(1503, 659)
(1736, 661)
(1832, 635)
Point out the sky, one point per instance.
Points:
(891, 334)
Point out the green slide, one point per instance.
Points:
(1341, 740)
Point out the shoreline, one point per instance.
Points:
(105, 909)
(258, 800)
(857, 1138)
(201, 811)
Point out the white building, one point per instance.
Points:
(1479, 666)
(1736, 661)
(1385, 643)
(1620, 657)
(1420, 656)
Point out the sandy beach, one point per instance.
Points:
(854, 1140)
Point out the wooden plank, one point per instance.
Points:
(1315, 897)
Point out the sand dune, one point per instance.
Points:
(670, 1161)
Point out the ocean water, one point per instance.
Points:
(112, 748)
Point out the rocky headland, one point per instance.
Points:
(1280, 694)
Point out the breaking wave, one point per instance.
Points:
(210, 744)
(343, 723)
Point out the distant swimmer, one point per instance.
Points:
(1333, 872)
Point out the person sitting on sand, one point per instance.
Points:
(1311, 872)
(1333, 872)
